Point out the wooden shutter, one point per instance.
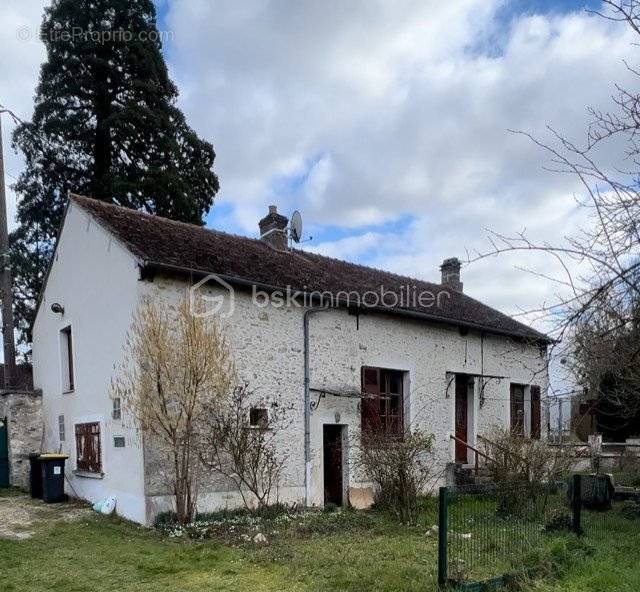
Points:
(517, 409)
(535, 412)
(369, 404)
(88, 449)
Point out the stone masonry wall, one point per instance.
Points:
(267, 344)
(23, 410)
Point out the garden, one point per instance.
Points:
(296, 550)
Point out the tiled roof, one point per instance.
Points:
(163, 243)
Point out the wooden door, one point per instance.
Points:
(462, 417)
(332, 448)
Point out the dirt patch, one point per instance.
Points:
(21, 517)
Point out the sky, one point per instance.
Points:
(385, 122)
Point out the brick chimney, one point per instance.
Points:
(450, 269)
(273, 229)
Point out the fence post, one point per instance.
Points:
(443, 528)
(577, 504)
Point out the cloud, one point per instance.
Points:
(365, 113)
(386, 122)
(21, 55)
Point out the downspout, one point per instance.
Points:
(307, 406)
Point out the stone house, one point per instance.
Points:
(340, 343)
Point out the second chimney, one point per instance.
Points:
(450, 270)
(273, 229)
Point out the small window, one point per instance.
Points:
(66, 357)
(258, 417)
(88, 450)
(116, 412)
(118, 441)
(61, 431)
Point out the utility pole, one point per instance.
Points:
(6, 281)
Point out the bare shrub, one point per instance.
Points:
(177, 365)
(246, 454)
(401, 467)
(524, 469)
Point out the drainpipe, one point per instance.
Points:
(307, 406)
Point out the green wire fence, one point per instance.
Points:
(487, 531)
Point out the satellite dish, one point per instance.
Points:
(296, 226)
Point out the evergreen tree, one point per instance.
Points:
(105, 124)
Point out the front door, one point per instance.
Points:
(332, 449)
(461, 417)
(4, 453)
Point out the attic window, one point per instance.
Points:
(66, 359)
(258, 417)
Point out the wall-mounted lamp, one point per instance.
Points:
(57, 308)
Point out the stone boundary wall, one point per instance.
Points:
(23, 410)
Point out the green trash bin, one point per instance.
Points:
(53, 477)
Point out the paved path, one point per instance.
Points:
(21, 517)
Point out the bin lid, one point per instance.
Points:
(53, 456)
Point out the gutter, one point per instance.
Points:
(307, 405)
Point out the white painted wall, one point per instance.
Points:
(96, 281)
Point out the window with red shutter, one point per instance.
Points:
(88, 449)
(383, 401)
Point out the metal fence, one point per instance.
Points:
(487, 532)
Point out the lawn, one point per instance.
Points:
(328, 552)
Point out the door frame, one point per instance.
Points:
(341, 430)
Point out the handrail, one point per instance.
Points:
(472, 448)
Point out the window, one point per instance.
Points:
(66, 357)
(88, 452)
(382, 405)
(519, 419)
(517, 409)
(61, 431)
(118, 441)
(116, 412)
(258, 417)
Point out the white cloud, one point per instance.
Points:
(361, 113)
(21, 54)
(390, 109)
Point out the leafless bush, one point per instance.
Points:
(244, 453)
(177, 365)
(524, 469)
(401, 467)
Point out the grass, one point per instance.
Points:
(345, 551)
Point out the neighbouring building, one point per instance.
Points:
(404, 352)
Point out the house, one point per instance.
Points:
(434, 357)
